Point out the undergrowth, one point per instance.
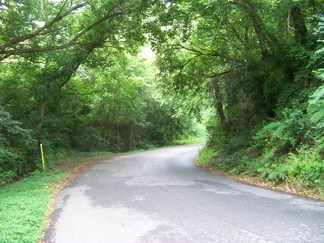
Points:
(303, 170)
(25, 204)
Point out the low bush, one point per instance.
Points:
(16, 148)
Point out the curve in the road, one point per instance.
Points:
(161, 196)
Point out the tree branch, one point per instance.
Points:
(192, 50)
(72, 42)
(57, 19)
(200, 53)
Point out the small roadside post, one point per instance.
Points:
(42, 155)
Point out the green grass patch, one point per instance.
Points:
(25, 205)
(189, 141)
(206, 156)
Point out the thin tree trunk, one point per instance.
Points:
(130, 144)
(118, 135)
(263, 39)
(299, 24)
(41, 118)
(219, 102)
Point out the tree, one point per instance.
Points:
(58, 39)
(251, 55)
(49, 25)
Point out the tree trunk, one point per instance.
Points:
(299, 24)
(263, 38)
(130, 144)
(118, 135)
(219, 102)
(41, 119)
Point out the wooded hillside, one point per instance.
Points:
(71, 78)
(260, 63)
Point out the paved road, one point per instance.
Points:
(161, 196)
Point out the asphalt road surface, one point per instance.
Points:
(161, 196)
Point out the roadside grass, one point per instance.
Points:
(226, 165)
(26, 204)
(205, 157)
(190, 140)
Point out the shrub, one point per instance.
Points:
(285, 134)
(306, 166)
(16, 147)
(316, 107)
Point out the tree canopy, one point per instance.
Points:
(260, 64)
(72, 78)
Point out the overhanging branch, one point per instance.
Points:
(57, 19)
(73, 42)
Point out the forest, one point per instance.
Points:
(74, 76)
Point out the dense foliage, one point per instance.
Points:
(260, 63)
(16, 145)
(72, 78)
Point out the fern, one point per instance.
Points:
(316, 107)
(279, 172)
(320, 74)
(274, 128)
(320, 51)
(318, 118)
(317, 95)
